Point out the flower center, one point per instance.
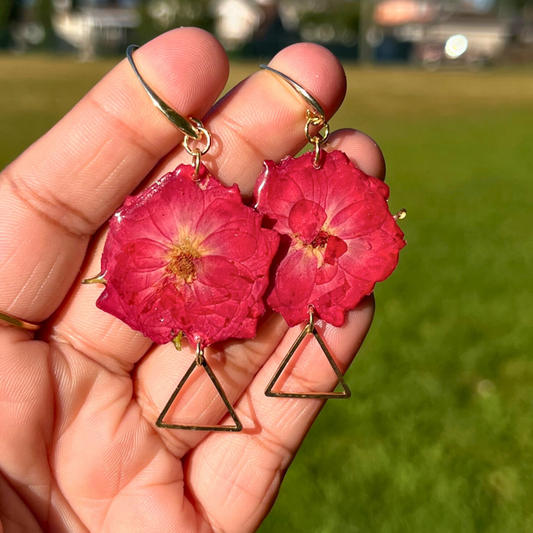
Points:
(327, 248)
(320, 240)
(182, 262)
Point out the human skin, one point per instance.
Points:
(79, 449)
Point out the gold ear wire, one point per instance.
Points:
(10, 320)
(192, 128)
(180, 122)
(315, 115)
(310, 100)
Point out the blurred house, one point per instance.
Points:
(91, 29)
(463, 40)
(88, 26)
(436, 34)
(331, 23)
(433, 32)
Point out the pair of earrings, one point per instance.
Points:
(186, 257)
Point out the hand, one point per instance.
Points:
(79, 449)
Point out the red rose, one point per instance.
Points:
(340, 237)
(189, 256)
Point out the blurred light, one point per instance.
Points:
(33, 33)
(326, 33)
(456, 46)
(396, 12)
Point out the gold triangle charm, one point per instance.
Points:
(309, 330)
(200, 361)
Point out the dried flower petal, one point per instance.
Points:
(187, 256)
(342, 236)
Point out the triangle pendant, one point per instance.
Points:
(200, 361)
(309, 330)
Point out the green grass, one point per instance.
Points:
(438, 436)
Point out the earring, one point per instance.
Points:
(337, 236)
(187, 257)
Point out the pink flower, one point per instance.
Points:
(338, 235)
(187, 256)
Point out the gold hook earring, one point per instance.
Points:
(170, 271)
(315, 116)
(341, 238)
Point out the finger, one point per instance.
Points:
(262, 118)
(362, 150)
(68, 183)
(236, 477)
(235, 367)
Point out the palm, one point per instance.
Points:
(79, 450)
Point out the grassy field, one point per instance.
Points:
(438, 436)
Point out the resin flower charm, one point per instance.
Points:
(338, 235)
(186, 255)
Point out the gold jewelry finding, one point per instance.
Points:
(197, 153)
(315, 115)
(310, 100)
(309, 329)
(200, 361)
(180, 122)
(192, 128)
(9, 320)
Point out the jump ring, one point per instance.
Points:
(199, 354)
(197, 160)
(203, 133)
(318, 137)
(311, 324)
(316, 162)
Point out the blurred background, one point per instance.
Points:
(430, 32)
(438, 434)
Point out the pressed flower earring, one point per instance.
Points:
(337, 235)
(187, 257)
